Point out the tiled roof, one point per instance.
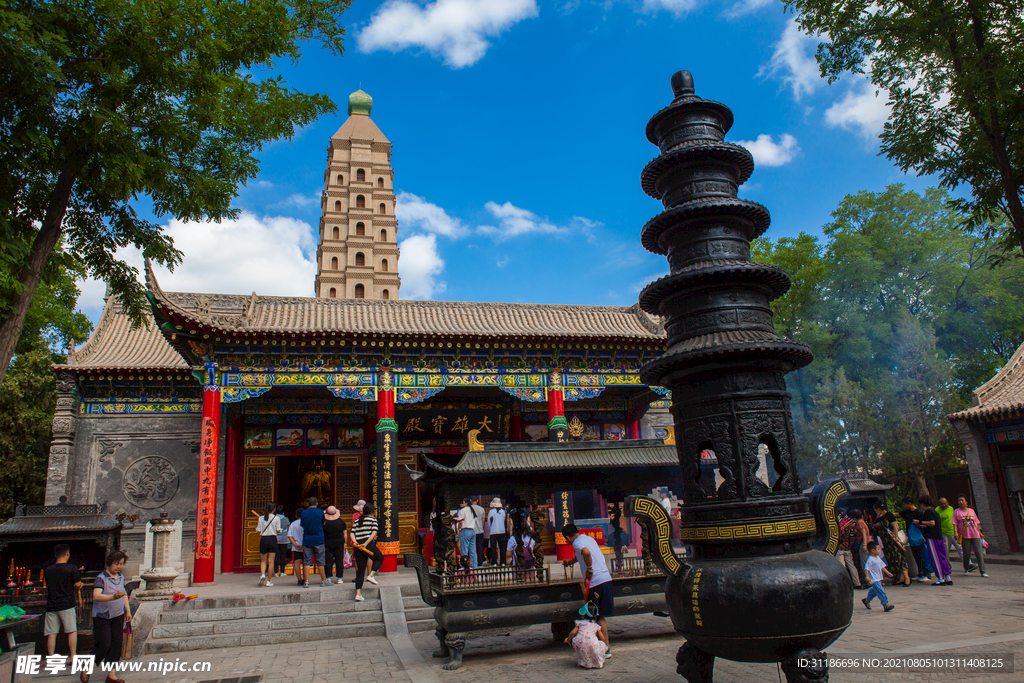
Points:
(279, 315)
(114, 344)
(1000, 397)
(38, 525)
(580, 455)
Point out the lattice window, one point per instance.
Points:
(348, 478)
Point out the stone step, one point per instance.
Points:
(293, 635)
(419, 613)
(248, 625)
(276, 596)
(413, 602)
(421, 625)
(261, 611)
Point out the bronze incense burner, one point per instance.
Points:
(755, 590)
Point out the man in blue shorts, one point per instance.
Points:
(591, 560)
(312, 519)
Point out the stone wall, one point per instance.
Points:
(140, 465)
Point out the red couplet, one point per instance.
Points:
(206, 507)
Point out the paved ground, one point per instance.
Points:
(976, 616)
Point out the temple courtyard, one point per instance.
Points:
(977, 617)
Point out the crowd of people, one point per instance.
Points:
(485, 536)
(911, 546)
(319, 541)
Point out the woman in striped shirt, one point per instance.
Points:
(364, 536)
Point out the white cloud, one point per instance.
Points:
(419, 266)
(272, 255)
(514, 221)
(458, 30)
(417, 213)
(860, 110)
(746, 7)
(674, 6)
(793, 62)
(767, 152)
(504, 262)
(301, 200)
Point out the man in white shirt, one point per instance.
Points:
(295, 538)
(478, 527)
(591, 560)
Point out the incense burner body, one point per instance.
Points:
(754, 590)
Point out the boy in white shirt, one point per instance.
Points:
(876, 568)
(295, 537)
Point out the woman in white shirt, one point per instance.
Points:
(268, 527)
(467, 532)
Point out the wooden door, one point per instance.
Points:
(257, 491)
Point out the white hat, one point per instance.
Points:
(358, 507)
(495, 502)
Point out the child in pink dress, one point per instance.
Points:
(587, 640)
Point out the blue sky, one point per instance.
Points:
(518, 133)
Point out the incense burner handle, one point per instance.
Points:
(824, 499)
(419, 563)
(652, 515)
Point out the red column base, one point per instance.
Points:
(390, 564)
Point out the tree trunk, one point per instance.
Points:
(32, 272)
(922, 485)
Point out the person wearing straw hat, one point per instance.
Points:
(496, 522)
(334, 544)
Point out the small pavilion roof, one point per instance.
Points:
(360, 127)
(1002, 396)
(498, 458)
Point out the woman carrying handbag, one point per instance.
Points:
(110, 613)
(364, 546)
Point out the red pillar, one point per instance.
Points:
(231, 541)
(385, 474)
(558, 428)
(206, 507)
(515, 428)
(632, 427)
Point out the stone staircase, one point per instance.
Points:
(419, 616)
(270, 617)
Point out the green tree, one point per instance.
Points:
(907, 314)
(28, 393)
(104, 102)
(953, 71)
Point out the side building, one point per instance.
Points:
(992, 431)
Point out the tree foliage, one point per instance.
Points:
(907, 313)
(106, 102)
(28, 394)
(954, 73)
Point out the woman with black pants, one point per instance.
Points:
(110, 611)
(334, 544)
(364, 535)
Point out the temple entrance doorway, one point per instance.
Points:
(338, 477)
